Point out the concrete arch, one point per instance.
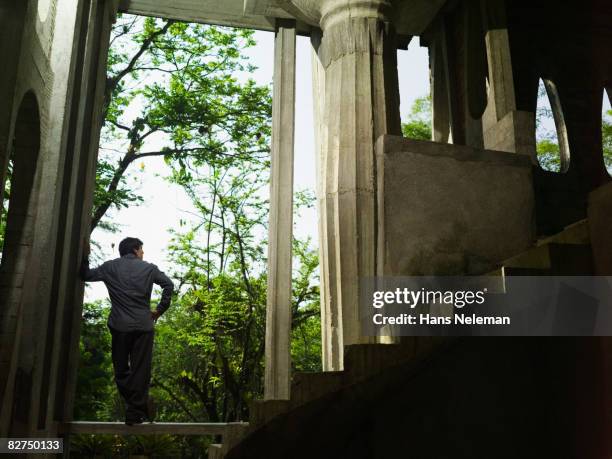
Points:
(18, 241)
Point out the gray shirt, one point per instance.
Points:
(129, 281)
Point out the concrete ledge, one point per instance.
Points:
(390, 144)
(156, 428)
(448, 209)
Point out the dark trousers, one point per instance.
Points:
(132, 353)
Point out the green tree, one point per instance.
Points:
(95, 394)
(172, 91)
(211, 345)
(418, 126)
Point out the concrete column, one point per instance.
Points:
(504, 127)
(318, 94)
(53, 287)
(278, 310)
(440, 100)
(359, 54)
(501, 83)
(81, 156)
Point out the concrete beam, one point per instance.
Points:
(278, 312)
(251, 14)
(414, 16)
(411, 17)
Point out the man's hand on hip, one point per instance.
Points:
(155, 315)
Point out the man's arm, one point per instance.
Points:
(167, 288)
(87, 274)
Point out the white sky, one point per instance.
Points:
(165, 204)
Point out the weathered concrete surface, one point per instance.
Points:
(253, 14)
(447, 209)
(318, 96)
(513, 133)
(359, 54)
(600, 227)
(27, 110)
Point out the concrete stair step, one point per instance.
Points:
(234, 432)
(576, 233)
(512, 271)
(550, 259)
(362, 361)
(571, 259)
(215, 451)
(537, 257)
(309, 386)
(261, 411)
(565, 253)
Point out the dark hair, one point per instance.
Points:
(129, 245)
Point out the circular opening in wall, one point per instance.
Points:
(43, 9)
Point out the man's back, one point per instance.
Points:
(129, 281)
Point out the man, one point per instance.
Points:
(129, 281)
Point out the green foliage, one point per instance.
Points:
(5, 204)
(548, 154)
(173, 91)
(418, 126)
(154, 446)
(211, 344)
(95, 376)
(87, 446)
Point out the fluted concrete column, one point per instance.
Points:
(278, 309)
(318, 93)
(358, 53)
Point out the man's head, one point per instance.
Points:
(131, 245)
